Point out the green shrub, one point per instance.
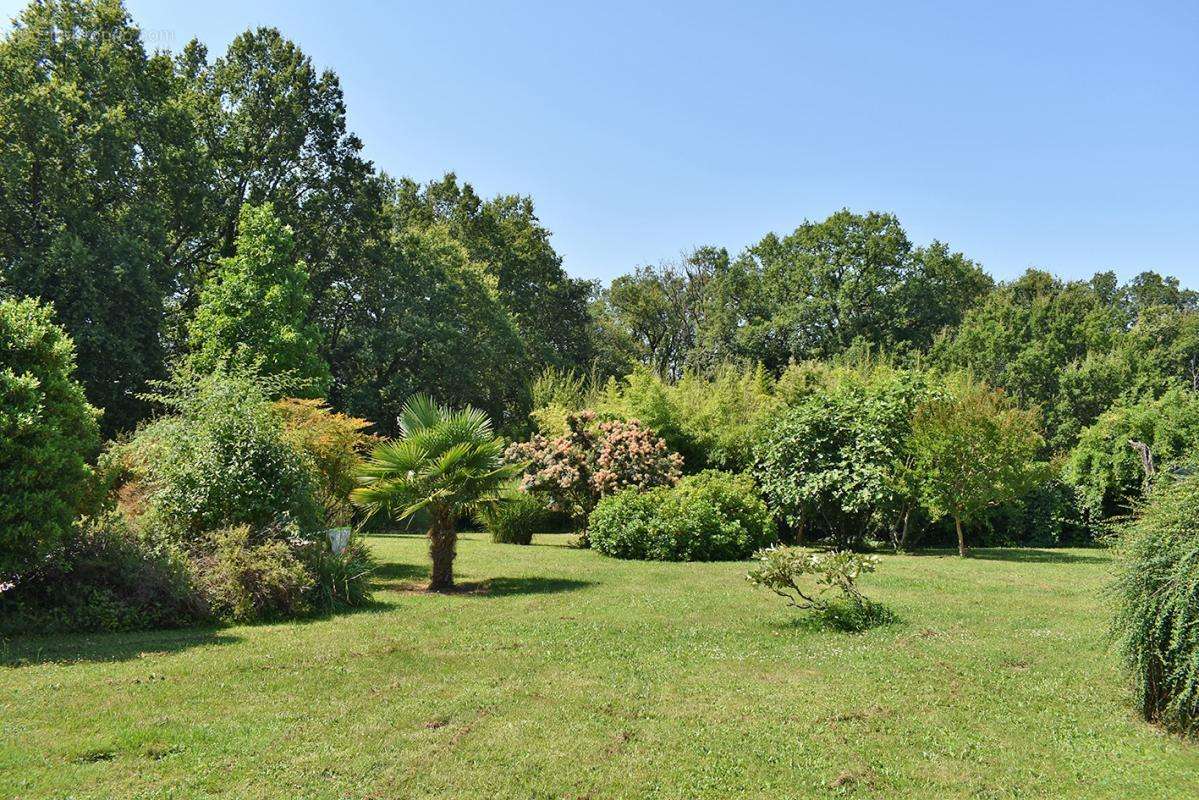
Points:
(1156, 624)
(625, 526)
(1107, 472)
(722, 414)
(221, 459)
(104, 578)
(340, 580)
(822, 582)
(48, 432)
(241, 581)
(711, 516)
(832, 466)
(1047, 515)
(516, 520)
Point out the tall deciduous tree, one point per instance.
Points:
(431, 322)
(253, 310)
(96, 153)
(852, 277)
(972, 448)
(657, 312)
(506, 238)
(1030, 337)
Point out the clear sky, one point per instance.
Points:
(1061, 135)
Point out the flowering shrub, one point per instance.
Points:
(593, 460)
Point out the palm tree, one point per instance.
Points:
(446, 464)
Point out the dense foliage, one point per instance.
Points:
(833, 465)
(48, 434)
(335, 444)
(244, 578)
(252, 310)
(104, 577)
(711, 516)
(220, 458)
(1157, 622)
(1106, 467)
(972, 449)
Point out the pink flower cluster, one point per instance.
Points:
(593, 460)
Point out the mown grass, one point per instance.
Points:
(568, 675)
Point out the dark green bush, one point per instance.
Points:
(48, 433)
(244, 581)
(104, 578)
(515, 521)
(1156, 624)
(624, 525)
(340, 580)
(222, 458)
(710, 516)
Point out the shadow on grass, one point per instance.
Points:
(844, 618)
(1026, 555)
(399, 577)
(502, 587)
(388, 575)
(22, 651)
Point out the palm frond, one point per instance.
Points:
(447, 460)
(419, 413)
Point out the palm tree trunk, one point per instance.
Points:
(442, 549)
(962, 551)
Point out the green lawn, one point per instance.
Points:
(568, 675)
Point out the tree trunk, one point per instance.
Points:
(902, 544)
(962, 551)
(442, 549)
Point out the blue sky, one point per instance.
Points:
(1065, 137)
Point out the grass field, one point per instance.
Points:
(568, 675)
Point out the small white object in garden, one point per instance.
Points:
(338, 539)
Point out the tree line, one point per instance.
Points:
(184, 206)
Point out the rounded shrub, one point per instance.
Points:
(48, 433)
(516, 520)
(624, 525)
(1157, 593)
(711, 516)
